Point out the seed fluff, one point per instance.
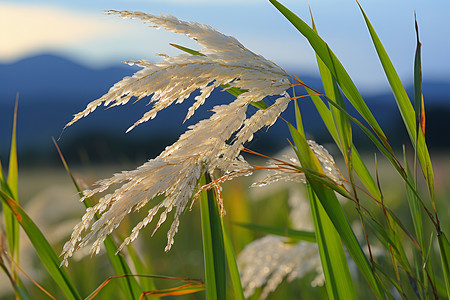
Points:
(211, 145)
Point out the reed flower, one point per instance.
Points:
(288, 170)
(211, 145)
(267, 261)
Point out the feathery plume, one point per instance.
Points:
(205, 147)
(267, 261)
(289, 172)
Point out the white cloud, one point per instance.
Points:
(26, 29)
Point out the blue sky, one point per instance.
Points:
(79, 30)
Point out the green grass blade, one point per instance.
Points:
(334, 263)
(357, 163)
(13, 174)
(342, 78)
(42, 247)
(325, 114)
(418, 97)
(129, 284)
(11, 225)
(444, 247)
(213, 245)
(19, 289)
(414, 206)
(337, 216)
(130, 287)
(333, 64)
(232, 265)
(363, 174)
(187, 50)
(342, 124)
(147, 283)
(299, 235)
(405, 107)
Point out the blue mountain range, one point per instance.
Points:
(51, 89)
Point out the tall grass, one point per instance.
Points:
(414, 261)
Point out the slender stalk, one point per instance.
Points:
(213, 245)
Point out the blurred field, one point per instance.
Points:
(50, 198)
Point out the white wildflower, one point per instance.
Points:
(225, 61)
(288, 171)
(269, 260)
(206, 147)
(300, 211)
(327, 162)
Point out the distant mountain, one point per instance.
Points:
(51, 89)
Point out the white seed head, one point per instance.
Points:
(269, 260)
(204, 147)
(288, 172)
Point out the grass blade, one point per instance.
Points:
(130, 286)
(232, 265)
(334, 66)
(19, 291)
(13, 174)
(418, 96)
(414, 207)
(334, 263)
(147, 283)
(357, 163)
(42, 247)
(337, 275)
(285, 232)
(193, 286)
(11, 225)
(342, 124)
(405, 107)
(213, 245)
(444, 246)
(338, 217)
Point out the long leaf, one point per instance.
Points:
(129, 285)
(11, 225)
(404, 105)
(20, 291)
(334, 65)
(342, 225)
(342, 124)
(358, 165)
(334, 263)
(193, 286)
(213, 245)
(42, 247)
(232, 265)
(444, 247)
(306, 236)
(147, 283)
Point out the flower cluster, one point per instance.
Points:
(266, 262)
(210, 145)
(288, 171)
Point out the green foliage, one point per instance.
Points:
(213, 244)
(410, 267)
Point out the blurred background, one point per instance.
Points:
(58, 56)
